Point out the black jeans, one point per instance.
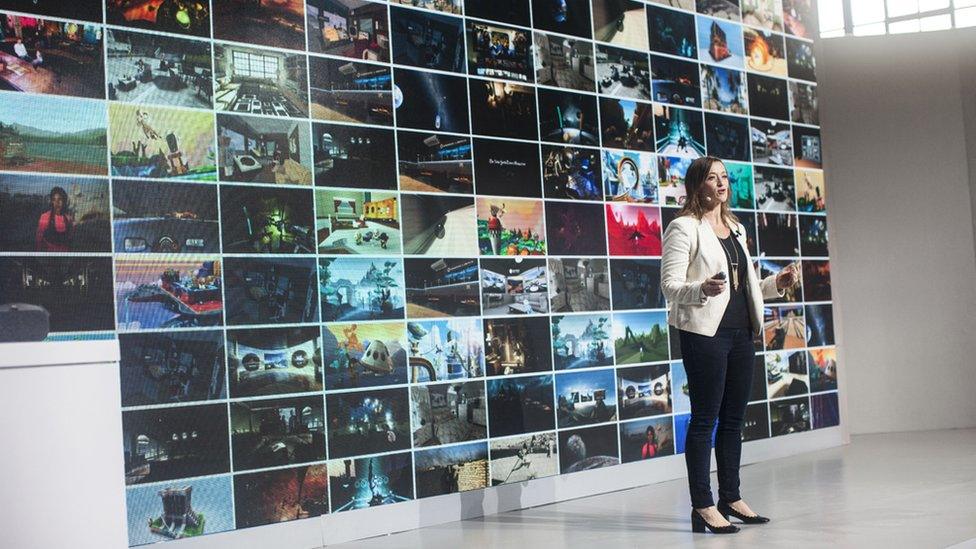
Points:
(719, 381)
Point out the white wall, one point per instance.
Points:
(967, 78)
(894, 113)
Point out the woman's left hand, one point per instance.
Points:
(787, 277)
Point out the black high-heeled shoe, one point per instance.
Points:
(699, 524)
(727, 510)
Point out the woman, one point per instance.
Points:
(649, 449)
(716, 303)
(55, 224)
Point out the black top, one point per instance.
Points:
(737, 312)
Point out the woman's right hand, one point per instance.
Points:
(713, 286)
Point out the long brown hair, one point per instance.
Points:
(695, 190)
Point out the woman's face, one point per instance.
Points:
(57, 203)
(718, 181)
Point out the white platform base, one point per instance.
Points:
(61, 462)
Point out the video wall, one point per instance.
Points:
(358, 252)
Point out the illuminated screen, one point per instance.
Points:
(359, 252)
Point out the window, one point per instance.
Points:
(966, 17)
(831, 14)
(253, 65)
(866, 12)
(868, 17)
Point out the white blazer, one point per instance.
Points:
(692, 253)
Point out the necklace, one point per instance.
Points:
(735, 263)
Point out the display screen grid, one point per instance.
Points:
(361, 253)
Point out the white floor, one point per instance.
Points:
(889, 491)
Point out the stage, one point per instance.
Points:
(890, 490)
